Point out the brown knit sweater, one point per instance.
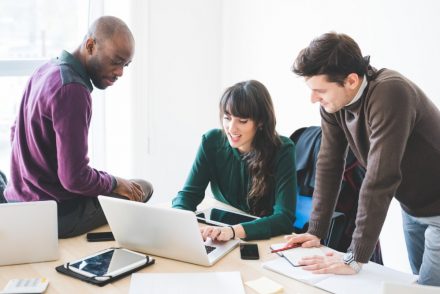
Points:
(394, 131)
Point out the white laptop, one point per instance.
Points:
(28, 232)
(396, 288)
(167, 232)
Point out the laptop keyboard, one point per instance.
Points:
(209, 249)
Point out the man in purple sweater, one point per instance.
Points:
(394, 131)
(49, 137)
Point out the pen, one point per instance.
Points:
(294, 245)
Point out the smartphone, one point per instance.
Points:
(249, 251)
(220, 217)
(108, 263)
(100, 236)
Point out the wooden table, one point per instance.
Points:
(74, 248)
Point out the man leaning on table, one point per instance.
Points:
(49, 137)
(394, 131)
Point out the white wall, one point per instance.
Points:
(262, 38)
(181, 72)
(189, 51)
(156, 113)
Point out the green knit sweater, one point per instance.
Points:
(223, 167)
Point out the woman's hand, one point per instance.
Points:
(217, 233)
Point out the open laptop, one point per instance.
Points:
(397, 288)
(167, 232)
(28, 232)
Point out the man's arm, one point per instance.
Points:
(329, 170)
(391, 116)
(391, 113)
(71, 114)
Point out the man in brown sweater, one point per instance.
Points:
(394, 131)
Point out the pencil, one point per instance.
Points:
(294, 245)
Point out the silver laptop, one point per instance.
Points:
(396, 288)
(28, 232)
(167, 232)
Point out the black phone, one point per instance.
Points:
(100, 236)
(249, 251)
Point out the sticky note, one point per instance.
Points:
(264, 285)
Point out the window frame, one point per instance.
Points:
(25, 67)
(19, 67)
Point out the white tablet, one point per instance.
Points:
(108, 263)
(221, 217)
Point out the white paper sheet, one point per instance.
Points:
(182, 283)
(282, 266)
(369, 280)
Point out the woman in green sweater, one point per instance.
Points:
(248, 165)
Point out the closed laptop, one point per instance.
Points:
(28, 232)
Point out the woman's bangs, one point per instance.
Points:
(238, 104)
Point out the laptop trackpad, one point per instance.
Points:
(220, 248)
(209, 249)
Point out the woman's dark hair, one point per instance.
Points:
(251, 100)
(331, 54)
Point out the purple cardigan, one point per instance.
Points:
(49, 138)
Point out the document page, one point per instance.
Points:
(369, 280)
(195, 283)
(283, 267)
(295, 255)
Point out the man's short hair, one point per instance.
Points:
(331, 54)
